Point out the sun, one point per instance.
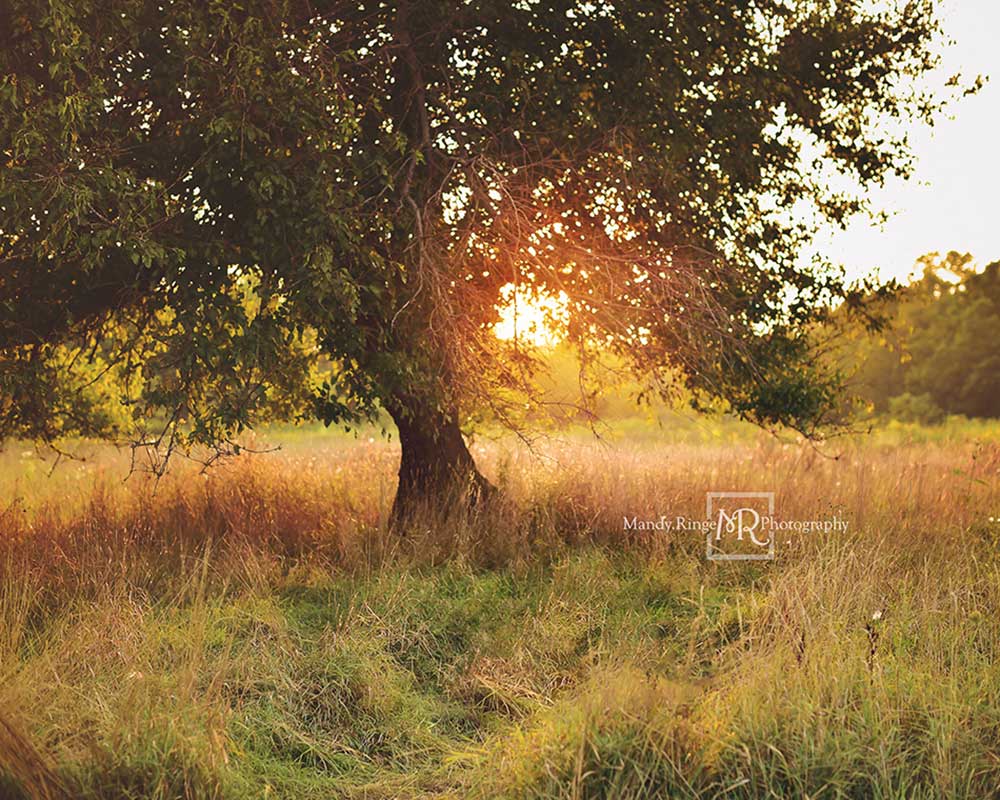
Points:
(532, 317)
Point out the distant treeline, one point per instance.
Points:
(940, 352)
(937, 354)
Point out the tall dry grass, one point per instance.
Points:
(150, 643)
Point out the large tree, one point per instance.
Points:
(215, 212)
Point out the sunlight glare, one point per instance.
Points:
(533, 317)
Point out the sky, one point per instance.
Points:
(950, 202)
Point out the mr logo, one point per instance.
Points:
(741, 526)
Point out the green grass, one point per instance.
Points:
(257, 633)
(327, 686)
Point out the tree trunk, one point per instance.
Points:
(436, 470)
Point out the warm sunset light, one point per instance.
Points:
(536, 318)
(539, 400)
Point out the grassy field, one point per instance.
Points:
(255, 632)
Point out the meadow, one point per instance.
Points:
(255, 631)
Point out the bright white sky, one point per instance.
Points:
(951, 201)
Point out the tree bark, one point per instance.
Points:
(436, 470)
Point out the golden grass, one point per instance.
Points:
(213, 635)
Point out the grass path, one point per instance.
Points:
(253, 634)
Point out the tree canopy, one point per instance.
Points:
(215, 213)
